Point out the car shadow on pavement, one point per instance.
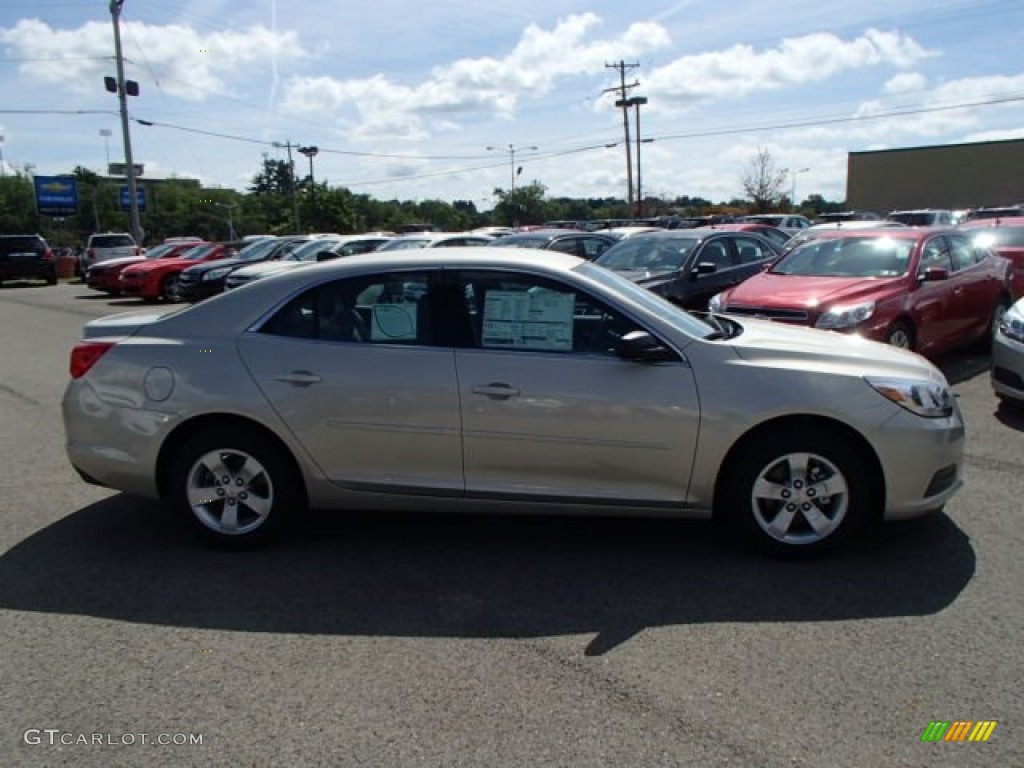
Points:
(1011, 415)
(963, 365)
(428, 575)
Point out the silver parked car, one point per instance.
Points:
(1008, 356)
(488, 379)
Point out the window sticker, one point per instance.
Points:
(393, 322)
(536, 319)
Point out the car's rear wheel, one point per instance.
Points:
(901, 335)
(795, 491)
(169, 288)
(51, 277)
(237, 487)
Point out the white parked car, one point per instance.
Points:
(108, 245)
(323, 249)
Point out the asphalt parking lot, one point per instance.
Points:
(442, 640)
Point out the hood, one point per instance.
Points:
(148, 265)
(206, 266)
(764, 340)
(118, 262)
(262, 269)
(807, 292)
(646, 276)
(122, 324)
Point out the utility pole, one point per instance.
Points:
(291, 182)
(122, 97)
(622, 89)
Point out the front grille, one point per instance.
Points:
(184, 279)
(941, 481)
(784, 315)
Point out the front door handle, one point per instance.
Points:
(298, 378)
(496, 390)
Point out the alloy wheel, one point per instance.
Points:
(800, 498)
(229, 492)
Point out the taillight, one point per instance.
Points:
(85, 354)
(47, 255)
(91, 254)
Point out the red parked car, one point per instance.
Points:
(106, 275)
(1005, 236)
(924, 289)
(158, 278)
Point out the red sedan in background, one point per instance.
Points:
(1005, 236)
(158, 278)
(923, 289)
(106, 275)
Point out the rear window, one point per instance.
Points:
(25, 244)
(112, 241)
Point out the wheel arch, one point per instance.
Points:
(214, 421)
(844, 432)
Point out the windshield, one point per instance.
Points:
(648, 253)
(516, 241)
(405, 244)
(999, 237)
(159, 251)
(112, 241)
(649, 300)
(256, 251)
(194, 254)
(308, 251)
(775, 221)
(848, 257)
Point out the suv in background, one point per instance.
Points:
(108, 245)
(26, 256)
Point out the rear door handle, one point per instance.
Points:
(496, 390)
(298, 378)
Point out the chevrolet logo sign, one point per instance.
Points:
(55, 186)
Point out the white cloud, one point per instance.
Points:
(741, 70)
(487, 85)
(185, 63)
(906, 82)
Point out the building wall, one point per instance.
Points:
(953, 176)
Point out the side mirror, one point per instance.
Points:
(325, 255)
(641, 347)
(931, 274)
(703, 268)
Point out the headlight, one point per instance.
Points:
(716, 303)
(1012, 324)
(929, 399)
(846, 317)
(216, 274)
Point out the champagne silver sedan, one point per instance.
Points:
(484, 379)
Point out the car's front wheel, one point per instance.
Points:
(169, 288)
(237, 487)
(796, 491)
(900, 335)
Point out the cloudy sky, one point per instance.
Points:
(403, 99)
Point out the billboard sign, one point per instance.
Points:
(126, 199)
(56, 195)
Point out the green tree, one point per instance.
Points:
(17, 205)
(524, 205)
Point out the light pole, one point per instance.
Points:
(291, 180)
(311, 152)
(231, 221)
(512, 160)
(106, 133)
(792, 193)
(124, 89)
(638, 101)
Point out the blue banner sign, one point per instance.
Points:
(126, 198)
(56, 195)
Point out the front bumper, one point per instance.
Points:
(192, 289)
(1008, 367)
(922, 460)
(139, 285)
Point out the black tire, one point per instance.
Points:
(169, 288)
(898, 331)
(261, 501)
(750, 513)
(1000, 309)
(51, 277)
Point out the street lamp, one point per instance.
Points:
(311, 152)
(792, 193)
(638, 101)
(512, 160)
(106, 133)
(231, 222)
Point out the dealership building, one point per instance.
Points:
(953, 176)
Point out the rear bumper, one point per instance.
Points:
(37, 269)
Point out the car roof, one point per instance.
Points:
(901, 233)
(998, 221)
